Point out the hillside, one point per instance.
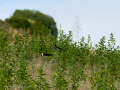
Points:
(72, 66)
(79, 66)
(30, 21)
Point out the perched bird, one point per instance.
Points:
(55, 46)
(45, 54)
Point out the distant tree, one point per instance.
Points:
(38, 27)
(43, 19)
(4, 25)
(17, 22)
(1, 23)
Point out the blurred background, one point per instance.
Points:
(83, 17)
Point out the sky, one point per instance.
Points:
(95, 17)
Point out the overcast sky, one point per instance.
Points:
(95, 17)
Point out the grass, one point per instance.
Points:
(80, 66)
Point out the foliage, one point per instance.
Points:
(41, 82)
(39, 18)
(69, 65)
(17, 22)
(59, 82)
(4, 25)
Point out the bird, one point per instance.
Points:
(44, 54)
(55, 46)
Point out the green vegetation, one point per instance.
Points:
(34, 21)
(78, 67)
(17, 22)
(4, 25)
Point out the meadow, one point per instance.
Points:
(79, 66)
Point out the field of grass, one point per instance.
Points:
(79, 66)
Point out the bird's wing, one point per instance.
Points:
(58, 47)
(45, 54)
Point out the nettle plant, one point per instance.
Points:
(70, 65)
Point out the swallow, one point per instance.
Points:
(45, 54)
(55, 46)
